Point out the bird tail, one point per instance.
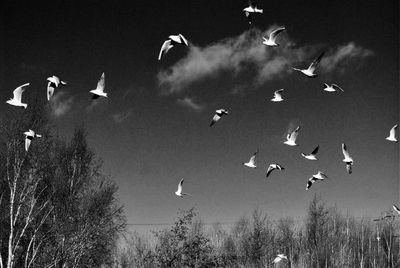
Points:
(63, 82)
(25, 105)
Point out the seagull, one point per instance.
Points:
(277, 96)
(29, 136)
(179, 191)
(396, 209)
(252, 8)
(320, 176)
(252, 161)
(54, 82)
(347, 158)
(309, 72)
(332, 88)
(291, 137)
(16, 100)
(218, 114)
(272, 167)
(392, 135)
(271, 41)
(312, 155)
(279, 257)
(99, 91)
(168, 44)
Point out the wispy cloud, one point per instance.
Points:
(245, 51)
(121, 117)
(189, 103)
(61, 103)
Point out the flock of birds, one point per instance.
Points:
(54, 82)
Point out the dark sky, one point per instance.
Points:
(153, 129)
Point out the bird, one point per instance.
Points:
(99, 91)
(309, 72)
(16, 100)
(53, 83)
(277, 96)
(218, 114)
(29, 136)
(179, 191)
(272, 167)
(347, 159)
(332, 88)
(252, 8)
(320, 176)
(291, 137)
(393, 132)
(170, 42)
(252, 161)
(279, 258)
(312, 155)
(396, 209)
(271, 41)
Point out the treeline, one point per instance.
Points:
(325, 239)
(57, 209)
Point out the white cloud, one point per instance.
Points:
(189, 103)
(238, 53)
(60, 103)
(120, 117)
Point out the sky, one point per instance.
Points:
(153, 129)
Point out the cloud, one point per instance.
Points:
(61, 103)
(189, 103)
(120, 117)
(246, 52)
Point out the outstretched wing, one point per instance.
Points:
(315, 63)
(180, 186)
(337, 87)
(167, 45)
(18, 91)
(274, 33)
(101, 83)
(315, 150)
(293, 135)
(345, 152)
(183, 39)
(269, 170)
(215, 119)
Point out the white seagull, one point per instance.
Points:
(320, 176)
(99, 91)
(218, 114)
(271, 41)
(29, 136)
(252, 161)
(16, 100)
(179, 191)
(252, 8)
(272, 167)
(279, 258)
(347, 158)
(312, 155)
(309, 72)
(54, 82)
(332, 88)
(277, 96)
(393, 132)
(396, 209)
(168, 44)
(291, 137)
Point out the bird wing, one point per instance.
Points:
(183, 39)
(215, 119)
(274, 33)
(50, 90)
(18, 92)
(101, 83)
(253, 157)
(348, 168)
(344, 151)
(393, 130)
(27, 142)
(270, 169)
(315, 150)
(337, 87)
(310, 183)
(314, 64)
(164, 48)
(396, 209)
(293, 135)
(180, 186)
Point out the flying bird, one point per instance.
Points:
(252, 161)
(17, 96)
(320, 176)
(271, 41)
(179, 191)
(277, 96)
(252, 8)
(291, 137)
(170, 42)
(272, 167)
(29, 136)
(347, 158)
(309, 72)
(99, 91)
(396, 209)
(393, 133)
(53, 83)
(279, 258)
(312, 155)
(218, 114)
(332, 88)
